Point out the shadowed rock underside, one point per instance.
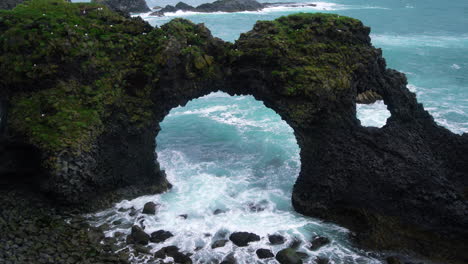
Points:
(83, 90)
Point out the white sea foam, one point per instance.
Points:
(455, 66)
(375, 114)
(420, 40)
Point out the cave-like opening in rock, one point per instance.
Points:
(373, 114)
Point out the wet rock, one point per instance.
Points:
(322, 260)
(288, 256)
(393, 260)
(263, 253)
(183, 216)
(122, 210)
(318, 242)
(142, 249)
(133, 212)
(242, 239)
(219, 243)
(160, 236)
(173, 252)
(276, 239)
(219, 211)
(138, 236)
(149, 208)
(296, 243)
(229, 259)
(257, 207)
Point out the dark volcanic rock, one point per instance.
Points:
(242, 239)
(230, 6)
(217, 6)
(173, 252)
(126, 6)
(219, 243)
(318, 242)
(402, 186)
(288, 256)
(322, 260)
(160, 236)
(9, 4)
(149, 208)
(229, 259)
(138, 236)
(219, 211)
(276, 239)
(263, 253)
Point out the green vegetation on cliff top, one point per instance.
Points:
(69, 67)
(308, 54)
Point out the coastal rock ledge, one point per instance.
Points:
(83, 90)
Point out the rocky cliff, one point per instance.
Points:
(225, 6)
(84, 90)
(10, 4)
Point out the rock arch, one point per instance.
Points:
(91, 107)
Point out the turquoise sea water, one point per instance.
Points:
(232, 153)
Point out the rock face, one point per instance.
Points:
(224, 6)
(10, 4)
(91, 133)
(126, 6)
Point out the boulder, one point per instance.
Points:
(173, 252)
(229, 259)
(318, 242)
(160, 236)
(138, 236)
(242, 239)
(393, 260)
(288, 256)
(276, 239)
(218, 211)
(322, 260)
(219, 243)
(263, 253)
(149, 208)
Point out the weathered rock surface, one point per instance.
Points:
(276, 239)
(263, 253)
(125, 6)
(219, 243)
(242, 239)
(318, 242)
(91, 133)
(138, 236)
(225, 6)
(160, 236)
(10, 4)
(149, 208)
(173, 252)
(288, 256)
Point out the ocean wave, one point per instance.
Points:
(439, 41)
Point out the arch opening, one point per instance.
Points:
(374, 114)
(233, 163)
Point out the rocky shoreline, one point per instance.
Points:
(226, 6)
(83, 107)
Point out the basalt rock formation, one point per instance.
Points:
(84, 89)
(225, 6)
(10, 4)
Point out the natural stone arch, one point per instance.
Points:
(92, 117)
